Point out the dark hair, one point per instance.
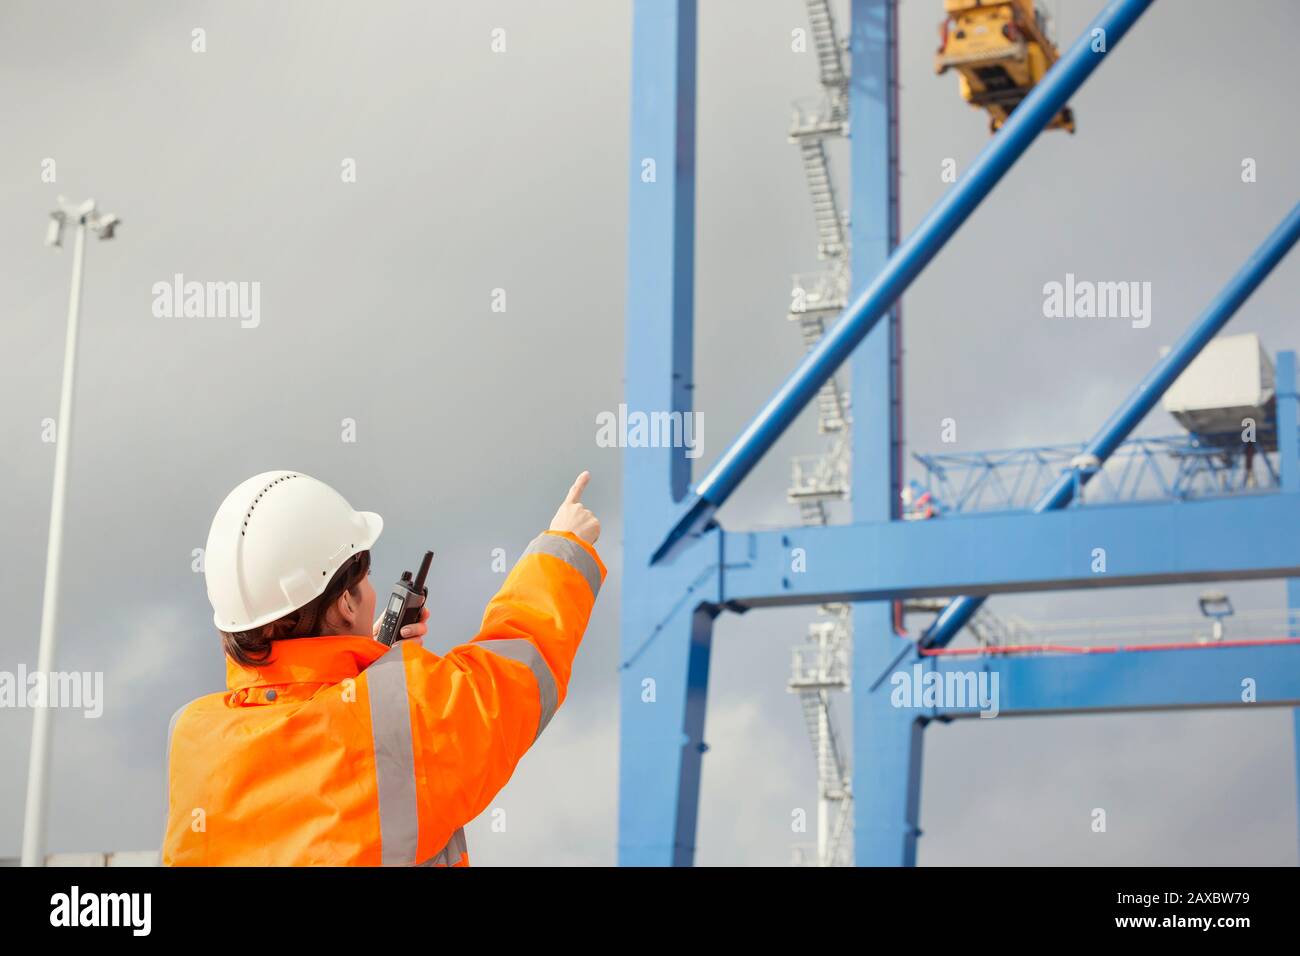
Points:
(253, 647)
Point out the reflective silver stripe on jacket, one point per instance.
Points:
(450, 854)
(526, 652)
(571, 553)
(390, 723)
(167, 779)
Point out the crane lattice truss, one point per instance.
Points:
(681, 569)
(1174, 468)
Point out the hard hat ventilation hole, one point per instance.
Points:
(249, 513)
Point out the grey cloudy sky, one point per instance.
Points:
(478, 171)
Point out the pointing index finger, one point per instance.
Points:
(579, 486)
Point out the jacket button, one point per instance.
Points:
(270, 695)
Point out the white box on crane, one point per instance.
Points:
(1230, 381)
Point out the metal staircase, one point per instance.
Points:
(816, 298)
(820, 665)
(819, 668)
(991, 631)
(831, 239)
(830, 51)
(988, 629)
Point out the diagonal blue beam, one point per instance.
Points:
(905, 264)
(1121, 424)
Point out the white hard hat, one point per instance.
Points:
(275, 543)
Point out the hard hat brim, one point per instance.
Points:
(374, 527)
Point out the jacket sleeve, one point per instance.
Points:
(476, 710)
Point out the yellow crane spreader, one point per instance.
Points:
(1000, 50)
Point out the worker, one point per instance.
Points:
(330, 748)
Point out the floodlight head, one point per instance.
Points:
(1216, 604)
(54, 231)
(106, 225)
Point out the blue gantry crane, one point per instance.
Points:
(682, 569)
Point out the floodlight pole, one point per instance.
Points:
(38, 765)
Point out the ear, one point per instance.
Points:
(345, 608)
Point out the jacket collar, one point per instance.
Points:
(308, 660)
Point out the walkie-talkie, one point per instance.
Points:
(404, 604)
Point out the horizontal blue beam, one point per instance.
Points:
(1146, 680)
(904, 265)
(1143, 398)
(1219, 539)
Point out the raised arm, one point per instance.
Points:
(475, 711)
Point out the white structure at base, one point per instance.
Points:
(111, 858)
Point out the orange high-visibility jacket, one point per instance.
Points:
(341, 751)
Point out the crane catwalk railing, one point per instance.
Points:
(1143, 469)
(1139, 632)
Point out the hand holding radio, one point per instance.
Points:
(418, 629)
(405, 606)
